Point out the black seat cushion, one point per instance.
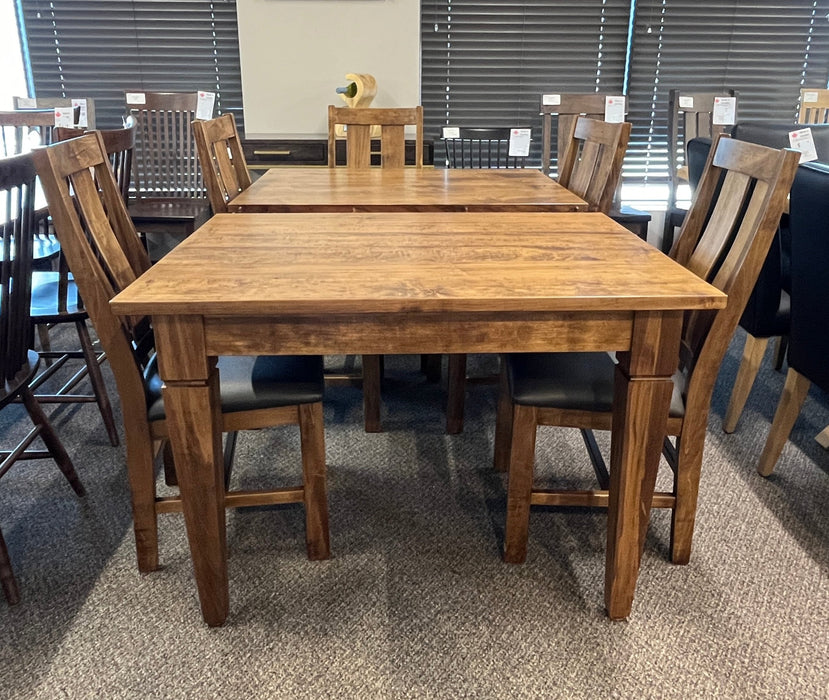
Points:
(45, 298)
(581, 381)
(248, 383)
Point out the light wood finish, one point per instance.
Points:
(823, 438)
(392, 122)
(756, 177)
(814, 111)
(791, 401)
(409, 283)
(753, 353)
(222, 160)
(407, 189)
(106, 256)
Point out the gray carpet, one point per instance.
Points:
(415, 601)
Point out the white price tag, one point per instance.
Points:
(451, 132)
(26, 103)
(80, 105)
(204, 106)
(63, 116)
(803, 141)
(136, 98)
(725, 111)
(550, 100)
(686, 102)
(519, 142)
(614, 109)
(810, 96)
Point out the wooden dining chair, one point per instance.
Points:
(591, 167)
(119, 145)
(480, 147)
(23, 103)
(690, 115)
(106, 255)
(814, 106)
(18, 362)
(222, 160)
(170, 195)
(724, 240)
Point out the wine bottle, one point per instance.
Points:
(349, 90)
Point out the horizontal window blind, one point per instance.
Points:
(102, 48)
(487, 63)
(765, 49)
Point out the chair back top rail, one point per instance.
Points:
(358, 122)
(55, 103)
(21, 130)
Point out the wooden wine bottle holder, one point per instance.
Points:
(366, 92)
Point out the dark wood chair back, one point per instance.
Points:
(592, 162)
(359, 122)
(480, 147)
(814, 106)
(23, 103)
(223, 162)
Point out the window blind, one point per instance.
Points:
(765, 49)
(487, 63)
(102, 48)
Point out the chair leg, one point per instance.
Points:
(312, 437)
(686, 489)
(788, 409)
(519, 493)
(753, 353)
(456, 394)
(780, 352)
(503, 423)
(7, 579)
(372, 375)
(96, 379)
(45, 343)
(430, 365)
(141, 473)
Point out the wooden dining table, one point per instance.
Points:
(415, 283)
(405, 189)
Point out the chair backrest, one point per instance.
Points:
(592, 162)
(104, 253)
(57, 102)
(222, 160)
(814, 106)
(392, 122)
(119, 145)
(475, 147)
(165, 163)
(22, 130)
(568, 107)
(17, 194)
(724, 240)
(691, 115)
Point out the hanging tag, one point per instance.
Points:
(614, 109)
(810, 96)
(550, 100)
(725, 111)
(519, 142)
(63, 116)
(136, 98)
(26, 103)
(80, 105)
(686, 102)
(803, 141)
(204, 107)
(451, 132)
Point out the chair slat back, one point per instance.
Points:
(119, 145)
(17, 194)
(392, 122)
(476, 147)
(814, 106)
(22, 130)
(592, 162)
(222, 159)
(165, 162)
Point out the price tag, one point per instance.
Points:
(686, 102)
(725, 110)
(26, 103)
(519, 142)
(136, 98)
(80, 105)
(614, 109)
(451, 132)
(204, 106)
(803, 141)
(550, 100)
(810, 96)
(63, 116)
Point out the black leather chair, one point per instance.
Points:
(809, 331)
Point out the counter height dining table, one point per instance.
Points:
(415, 283)
(406, 189)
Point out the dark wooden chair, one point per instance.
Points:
(222, 160)
(480, 147)
(18, 363)
(690, 115)
(106, 255)
(170, 196)
(727, 249)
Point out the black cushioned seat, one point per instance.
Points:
(249, 383)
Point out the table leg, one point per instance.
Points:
(191, 400)
(640, 413)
